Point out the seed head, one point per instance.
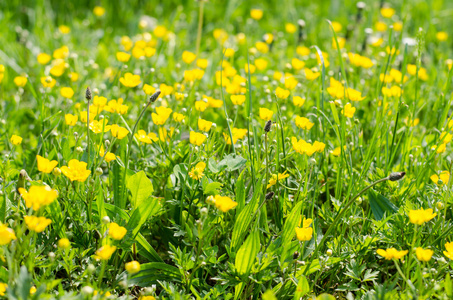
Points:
(296, 255)
(154, 96)
(269, 195)
(268, 126)
(88, 94)
(396, 176)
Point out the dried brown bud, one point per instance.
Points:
(269, 195)
(88, 94)
(154, 96)
(396, 176)
(268, 126)
(296, 255)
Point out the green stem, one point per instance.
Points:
(200, 26)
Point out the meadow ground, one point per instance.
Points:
(226, 149)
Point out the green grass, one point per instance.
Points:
(198, 216)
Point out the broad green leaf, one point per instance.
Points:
(448, 286)
(289, 230)
(269, 295)
(302, 288)
(212, 188)
(141, 214)
(140, 187)
(150, 273)
(325, 297)
(246, 255)
(380, 205)
(232, 162)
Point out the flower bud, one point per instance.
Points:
(87, 290)
(106, 220)
(64, 243)
(107, 143)
(296, 255)
(79, 150)
(51, 256)
(132, 267)
(269, 195)
(439, 205)
(396, 176)
(56, 172)
(88, 94)
(329, 252)
(98, 171)
(154, 96)
(91, 268)
(268, 126)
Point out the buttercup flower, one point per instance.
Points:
(105, 252)
(424, 254)
(348, 110)
(304, 234)
(118, 131)
(197, 172)
(391, 253)
(45, 165)
(70, 120)
(449, 252)
(3, 287)
(303, 123)
(15, 140)
(123, 56)
(420, 216)
(188, 57)
(161, 115)
(64, 243)
(256, 14)
(266, 114)
(130, 80)
(146, 138)
(237, 99)
(197, 138)
(76, 170)
(224, 203)
(37, 224)
(442, 179)
(277, 177)
(298, 101)
(6, 235)
(204, 125)
(66, 92)
(38, 196)
(20, 81)
(282, 93)
(108, 157)
(132, 267)
(43, 58)
(116, 232)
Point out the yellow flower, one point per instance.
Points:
(387, 12)
(237, 133)
(248, 67)
(15, 140)
(204, 125)
(147, 298)
(201, 105)
(336, 151)
(116, 231)
(132, 267)
(298, 101)
(261, 64)
(160, 31)
(20, 81)
(99, 11)
(64, 243)
(303, 51)
(33, 290)
(43, 58)
(3, 287)
(45, 165)
(161, 116)
(70, 120)
(336, 26)
(398, 26)
(67, 92)
(99, 126)
(108, 157)
(380, 26)
(38, 196)
(178, 117)
(146, 138)
(224, 203)
(391, 253)
(310, 75)
(73, 76)
(197, 138)
(282, 93)
(449, 252)
(197, 172)
(123, 56)
(6, 235)
(302, 147)
(37, 224)
(256, 14)
(354, 95)
(58, 67)
(304, 234)
(188, 57)
(116, 106)
(64, 29)
(420, 216)
(130, 80)
(266, 114)
(303, 123)
(290, 27)
(61, 52)
(336, 91)
(423, 254)
(105, 252)
(444, 177)
(341, 42)
(237, 99)
(202, 63)
(442, 36)
(228, 52)
(262, 47)
(48, 81)
(118, 131)
(275, 178)
(297, 64)
(76, 170)
(348, 110)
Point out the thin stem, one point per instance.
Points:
(200, 26)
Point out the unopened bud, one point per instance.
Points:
(88, 94)
(91, 268)
(106, 220)
(98, 171)
(154, 96)
(268, 126)
(56, 172)
(269, 195)
(439, 205)
(79, 150)
(396, 176)
(296, 255)
(329, 252)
